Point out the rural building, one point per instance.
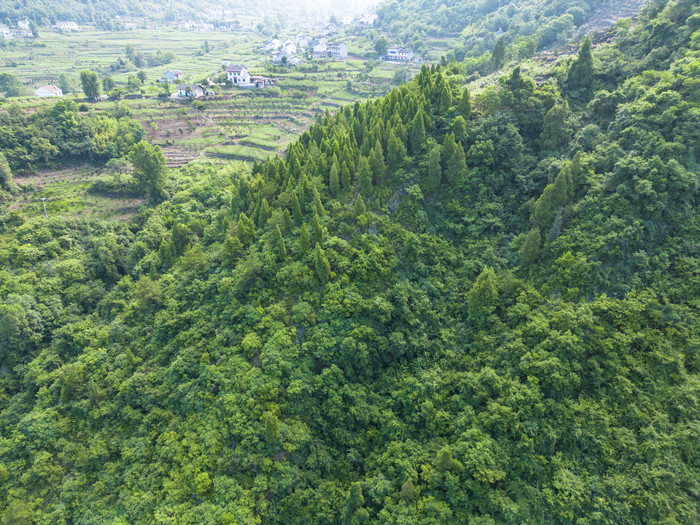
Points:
(289, 47)
(338, 50)
(303, 40)
(498, 33)
(290, 60)
(5, 31)
(325, 29)
(23, 24)
(272, 45)
(319, 47)
(67, 26)
(238, 75)
(172, 76)
(190, 91)
(21, 33)
(260, 82)
(398, 54)
(202, 28)
(48, 91)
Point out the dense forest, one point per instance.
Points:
(436, 308)
(515, 30)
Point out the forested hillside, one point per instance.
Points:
(436, 308)
(487, 33)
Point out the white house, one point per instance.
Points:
(238, 75)
(5, 31)
(338, 50)
(171, 76)
(190, 91)
(289, 47)
(21, 33)
(319, 47)
(303, 40)
(67, 26)
(398, 54)
(48, 91)
(202, 27)
(290, 60)
(23, 24)
(272, 45)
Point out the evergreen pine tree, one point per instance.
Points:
(530, 250)
(318, 205)
(296, 208)
(318, 229)
(287, 217)
(434, 172)
(376, 162)
(279, 242)
(305, 239)
(579, 78)
(334, 180)
(323, 267)
(396, 152)
(499, 53)
(417, 132)
(345, 177)
(359, 207)
(365, 177)
(231, 250)
(454, 158)
(465, 105)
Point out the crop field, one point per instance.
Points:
(234, 125)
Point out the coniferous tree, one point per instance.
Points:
(555, 128)
(579, 78)
(454, 158)
(231, 250)
(465, 104)
(499, 53)
(396, 152)
(345, 177)
(296, 208)
(365, 177)
(417, 132)
(376, 162)
(359, 207)
(334, 181)
(530, 250)
(434, 172)
(305, 239)
(318, 229)
(245, 229)
(279, 242)
(323, 267)
(287, 218)
(354, 511)
(318, 205)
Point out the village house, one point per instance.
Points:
(272, 45)
(202, 27)
(338, 50)
(260, 82)
(398, 54)
(21, 33)
(67, 26)
(172, 76)
(498, 33)
(319, 47)
(5, 31)
(190, 91)
(238, 75)
(325, 29)
(23, 24)
(48, 91)
(289, 47)
(303, 40)
(290, 60)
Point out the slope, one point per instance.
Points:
(430, 311)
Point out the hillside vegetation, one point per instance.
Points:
(433, 309)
